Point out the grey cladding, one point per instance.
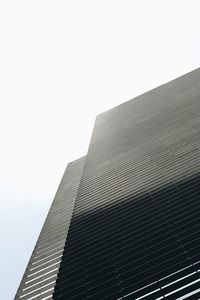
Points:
(40, 276)
(135, 221)
(134, 232)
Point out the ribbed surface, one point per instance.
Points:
(39, 278)
(134, 233)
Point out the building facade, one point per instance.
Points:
(40, 276)
(134, 229)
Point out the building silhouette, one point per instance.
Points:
(125, 222)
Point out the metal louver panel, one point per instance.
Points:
(40, 276)
(135, 229)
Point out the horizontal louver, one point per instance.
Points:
(135, 229)
(40, 276)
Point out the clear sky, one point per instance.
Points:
(61, 63)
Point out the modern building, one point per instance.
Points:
(40, 276)
(125, 222)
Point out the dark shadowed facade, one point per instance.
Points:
(126, 218)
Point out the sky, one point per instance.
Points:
(61, 64)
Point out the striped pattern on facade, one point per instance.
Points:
(135, 231)
(40, 276)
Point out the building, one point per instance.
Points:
(41, 273)
(134, 206)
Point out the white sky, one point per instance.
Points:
(61, 63)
